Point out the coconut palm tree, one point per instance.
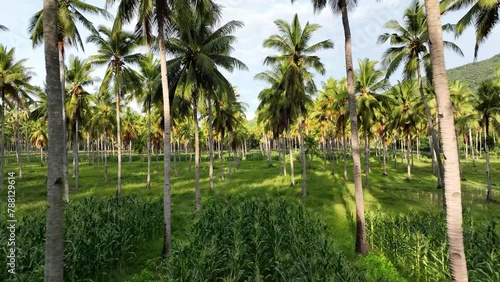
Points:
(406, 113)
(78, 76)
(69, 14)
(14, 80)
(159, 13)
(296, 53)
(200, 51)
(151, 80)
(341, 7)
(369, 81)
(54, 247)
(410, 42)
(116, 51)
(458, 264)
(487, 104)
(130, 129)
(39, 136)
(482, 14)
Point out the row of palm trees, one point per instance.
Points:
(57, 19)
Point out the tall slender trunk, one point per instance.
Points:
(130, 151)
(361, 243)
(76, 167)
(284, 154)
(489, 194)
(408, 150)
(384, 144)
(2, 145)
(196, 156)
(118, 144)
(176, 172)
(344, 149)
(18, 146)
(472, 148)
(62, 81)
(210, 146)
(435, 141)
(292, 174)
(41, 155)
(453, 196)
(303, 153)
(323, 145)
(220, 155)
(367, 159)
(167, 201)
(54, 246)
(148, 177)
(458, 153)
(105, 140)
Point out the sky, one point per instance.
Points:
(258, 17)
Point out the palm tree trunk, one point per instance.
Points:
(472, 148)
(196, 157)
(54, 246)
(361, 243)
(458, 152)
(2, 145)
(167, 201)
(292, 174)
(367, 159)
(457, 258)
(323, 144)
(105, 156)
(176, 172)
(385, 156)
(408, 150)
(118, 145)
(18, 146)
(148, 177)
(62, 80)
(435, 141)
(211, 146)
(344, 149)
(284, 154)
(41, 155)
(76, 165)
(303, 152)
(220, 156)
(489, 194)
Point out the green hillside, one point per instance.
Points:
(474, 73)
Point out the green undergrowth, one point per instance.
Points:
(101, 236)
(255, 239)
(416, 244)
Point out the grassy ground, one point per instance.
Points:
(329, 195)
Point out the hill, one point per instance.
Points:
(474, 73)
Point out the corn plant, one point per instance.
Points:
(416, 245)
(101, 235)
(240, 239)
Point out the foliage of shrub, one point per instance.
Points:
(416, 244)
(101, 234)
(258, 240)
(379, 268)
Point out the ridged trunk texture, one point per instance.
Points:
(453, 193)
(54, 246)
(361, 243)
(62, 81)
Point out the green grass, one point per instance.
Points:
(329, 196)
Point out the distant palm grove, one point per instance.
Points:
(154, 173)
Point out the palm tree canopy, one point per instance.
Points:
(70, 12)
(14, 78)
(482, 14)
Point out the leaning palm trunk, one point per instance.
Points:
(62, 79)
(118, 145)
(167, 201)
(435, 141)
(304, 165)
(211, 146)
(54, 247)
(18, 146)
(361, 244)
(457, 260)
(196, 158)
